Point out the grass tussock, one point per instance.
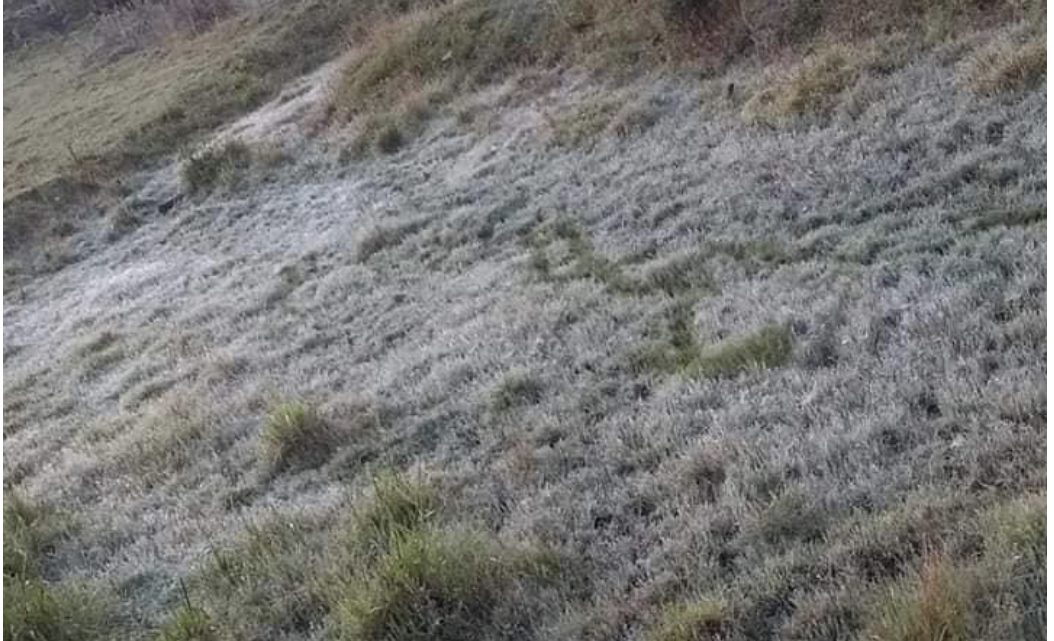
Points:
(294, 434)
(227, 165)
(810, 89)
(438, 585)
(765, 348)
(582, 125)
(932, 606)
(270, 581)
(514, 390)
(190, 623)
(698, 620)
(1008, 66)
(399, 505)
(35, 608)
(385, 236)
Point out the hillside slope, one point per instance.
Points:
(732, 376)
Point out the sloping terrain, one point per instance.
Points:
(741, 377)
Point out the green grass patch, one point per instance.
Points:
(269, 582)
(440, 585)
(35, 608)
(295, 435)
(765, 348)
(399, 505)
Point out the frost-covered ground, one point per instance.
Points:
(488, 299)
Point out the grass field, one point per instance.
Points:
(536, 349)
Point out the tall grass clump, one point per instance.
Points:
(294, 434)
(435, 585)
(1008, 66)
(697, 620)
(35, 608)
(766, 348)
(932, 606)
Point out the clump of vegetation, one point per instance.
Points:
(515, 389)
(1009, 218)
(212, 167)
(399, 506)
(1008, 66)
(386, 236)
(584, 124)
(294, 434)
(33, 607)
(697, 620)
(580, 260)
(791, 516)
(190, 623)
(680, 274)
(810, 88)
(934, 605)
(269, 581)
(439, 585)
(766, 348)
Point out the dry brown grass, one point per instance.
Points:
(1007, 66)
(810, 88)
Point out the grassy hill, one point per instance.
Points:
(666, 320)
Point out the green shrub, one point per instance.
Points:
(766, 348)
(436, 586)
(294, 434)
(697, 620)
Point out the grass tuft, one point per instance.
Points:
(294, 434)
(386, 236)
(212, 167)
(766, 348)
(931, 607)
(1007, 67)
(438, 586)
(398, 507)
(189, 624)
(697, 620)
(515, 389)
(810, 89)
